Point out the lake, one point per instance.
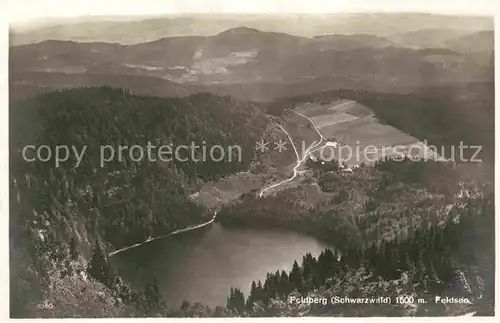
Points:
(201, 265)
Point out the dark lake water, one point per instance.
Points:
(202, 265)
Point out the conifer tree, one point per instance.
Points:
(295, 276)
(99, 267)
(252, 297)
(73, 252)
(236, 300)
(152, 297)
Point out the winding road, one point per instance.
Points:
(312, 148)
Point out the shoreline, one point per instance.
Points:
(189, 228)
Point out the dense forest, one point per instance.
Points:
(91, 209)
(420, 219)
(452, 258)
(433, 260)
(399, 228)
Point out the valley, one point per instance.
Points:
(348, 182)
(350, 127)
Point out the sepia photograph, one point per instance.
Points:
(239, 159)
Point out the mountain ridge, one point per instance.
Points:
(357, 61)
(134, 31)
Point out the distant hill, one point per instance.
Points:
(139, 30)
(248, 63)
(426, 37)
(30, 84)
(475, 42)
(356, 41)
(458, 40)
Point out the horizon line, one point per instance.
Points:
(58, 19)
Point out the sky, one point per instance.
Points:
(29, 10)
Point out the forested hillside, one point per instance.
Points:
(60, 214)
(399, 228)
(385, 202)
(453, 259)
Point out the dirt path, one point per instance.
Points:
(192, 227)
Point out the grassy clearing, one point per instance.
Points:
(332, 119)
(355, 126)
